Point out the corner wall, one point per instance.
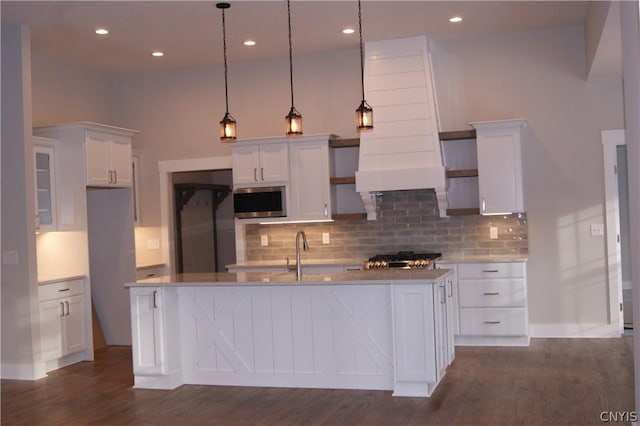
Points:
(541, 76)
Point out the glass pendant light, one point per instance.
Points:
(228, 124)
(364, 112)
(294, 118)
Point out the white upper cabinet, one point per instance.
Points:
(310, 173)
(499, 166)
(260, 164)
(45, 187)
(108, 159)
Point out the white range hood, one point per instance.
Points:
(403, 150)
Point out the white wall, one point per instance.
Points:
(540, 76)
(20, 317)
(630, 21)
(65, 93)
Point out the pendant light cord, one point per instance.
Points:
(290, 52)
(224, 50)
(361, 49)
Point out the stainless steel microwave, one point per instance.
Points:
(269, 201)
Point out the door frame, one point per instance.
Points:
(167, 230)
(610, 140)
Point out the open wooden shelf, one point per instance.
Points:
(344, 143)
(348, 216)
(462, 173)
(346, 180)
(463, 212)
(457, 135)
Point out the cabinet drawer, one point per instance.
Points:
(492, 270)
(492, 293)
(60, 289)
(493, 321)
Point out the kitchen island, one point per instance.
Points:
(385, 330)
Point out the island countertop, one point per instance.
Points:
(289, 278)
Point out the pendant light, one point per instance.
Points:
(294, 118)
(364, 112)
(228, 124)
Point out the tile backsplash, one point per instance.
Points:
(407, 220)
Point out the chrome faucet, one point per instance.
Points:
(305, 246)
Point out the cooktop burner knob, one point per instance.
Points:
(384, 264)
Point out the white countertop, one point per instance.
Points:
(483, 258)
(56, 278)
(292, 261)
(289, 278)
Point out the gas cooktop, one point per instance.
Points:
(402, 259)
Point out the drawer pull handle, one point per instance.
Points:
(64, 289)
(492, 294)
(490, 270)
(492, 322)
(150, 275)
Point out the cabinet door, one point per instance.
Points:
(499, 167)
(147, 331)
(52, 314)
(274, 163)
(310, 190)
(245, 164)
(120, 162)
(440, 318)
(75, 333)
(45, 188)
(97, 159)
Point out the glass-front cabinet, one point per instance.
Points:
(44, 151)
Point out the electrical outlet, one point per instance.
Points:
(153, 244)
(325, 238)
(264, 240)
(597, 230)
(493, 232)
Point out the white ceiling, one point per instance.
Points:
(190, 32)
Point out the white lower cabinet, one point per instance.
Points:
(154, 332)
(492, 300)
(423, 349)
(63, 320)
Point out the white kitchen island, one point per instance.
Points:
(383, 330)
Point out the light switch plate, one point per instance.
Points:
(264, 240)
(10, 257)
(325, 238)
(493, 232)
(597, 230)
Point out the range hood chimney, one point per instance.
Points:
(403, 150)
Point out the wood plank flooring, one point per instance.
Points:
(553, 382)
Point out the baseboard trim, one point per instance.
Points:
(23, 371)
(574, 330)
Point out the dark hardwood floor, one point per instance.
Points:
(553, 382)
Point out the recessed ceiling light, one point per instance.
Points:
(455, 19)
(102, 31)
(157, 54)
(348, 31)
(249, 43)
